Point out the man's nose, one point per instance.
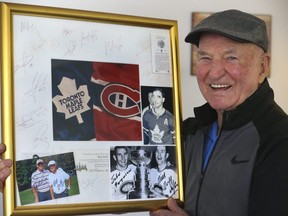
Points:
(217, 68)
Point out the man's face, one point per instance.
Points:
(52, 168)
(121, 157)
(150, 98)
(40, 166)
(158, 98)
(161, 155)
(227, 71)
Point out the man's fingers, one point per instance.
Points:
(174, 210)
(4, 174)
(5, 170)
(174, 207)
(5, 163)
(2, 148)
(162, 212)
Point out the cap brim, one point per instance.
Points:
(194, 37)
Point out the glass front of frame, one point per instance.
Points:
(90, 111)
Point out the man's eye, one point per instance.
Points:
(204, 58)
(232, 58)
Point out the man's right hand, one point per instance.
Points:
(173, 210)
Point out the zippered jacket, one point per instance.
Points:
(247, 173)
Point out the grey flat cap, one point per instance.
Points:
(234, 24)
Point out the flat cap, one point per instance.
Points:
(234, 24)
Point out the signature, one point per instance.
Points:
(38, 85)
(87, 183)
(87, 37)
(112, 46)
(27, 26)
(29, 120)
(25, 61)
(41, 140)
(70, 47)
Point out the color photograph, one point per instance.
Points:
(41, 179)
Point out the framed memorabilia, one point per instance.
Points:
(197, 17)
(90, 111)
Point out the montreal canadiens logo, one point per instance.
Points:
(120, 100)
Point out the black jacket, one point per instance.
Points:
(248, 170)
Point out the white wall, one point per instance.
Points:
(181, 11)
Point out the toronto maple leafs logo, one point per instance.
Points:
(73, 101)
(157, 134)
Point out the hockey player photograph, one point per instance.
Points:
(122, 175)
(158, 122)
(163, 178)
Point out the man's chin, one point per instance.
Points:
(220, 107)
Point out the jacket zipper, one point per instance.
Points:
(203, 173)
(198, 192)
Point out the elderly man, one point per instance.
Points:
(236, 147)
(59, 180)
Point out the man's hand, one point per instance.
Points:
(173, 210)
(5, 170)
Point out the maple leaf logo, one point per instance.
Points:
(73, 101)
(157, 134)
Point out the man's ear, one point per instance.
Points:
(114, 157)
(265, 67)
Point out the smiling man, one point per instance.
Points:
(40, 182)
(59, 180)
(228, 72)
(236, 146)
(163, 179)
(123, 176)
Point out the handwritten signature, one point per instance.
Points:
(32, 118)
(25, 61)
(38, 85)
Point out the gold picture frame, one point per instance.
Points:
(197, 17)
(44, 117)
